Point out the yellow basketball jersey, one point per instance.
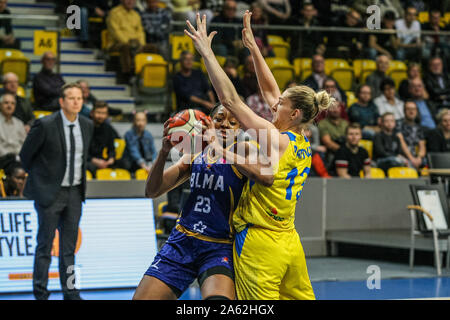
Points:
(274, 207)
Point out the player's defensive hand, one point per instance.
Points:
(202, 41)
(247, 34)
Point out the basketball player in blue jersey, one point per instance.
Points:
(200, 246)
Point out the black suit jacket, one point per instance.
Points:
(43, 157)
(435, 90)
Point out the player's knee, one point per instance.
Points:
(217, 297)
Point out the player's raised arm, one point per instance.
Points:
(266, 81)
(160, 181)
(222, 84)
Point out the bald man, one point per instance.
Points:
(47, 85)
(23, 111)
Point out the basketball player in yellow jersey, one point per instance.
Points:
(268, 256)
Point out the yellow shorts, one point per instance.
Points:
(270, 265)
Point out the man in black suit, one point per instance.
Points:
(437, 83)
(54, 156)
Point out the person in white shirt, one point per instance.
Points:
(409, 45)
(388, 102)
(12, 130)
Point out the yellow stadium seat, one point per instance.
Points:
(220, 59)
(424, 172)
(363, 67)
(331, 64)
(88, 175)
(41, 113)
(12, 60)
(351, 98)
(375, 173)
(447, 17)
(95, 19)
(21, 92)
(423, 17)
(180, 43)
(398, 71)
(105, 43)
(141, 174)
(402, 172)
(368, 145)
(280, 47)
(303, 67)
(344, 77)
(119, 145)
(282, 70)
(113, 174)
(152, 69)
(2, 173)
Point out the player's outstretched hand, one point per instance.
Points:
(200, 37)
(247, 34)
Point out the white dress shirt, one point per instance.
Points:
(12, 135)
(384, 106)
(78, 174)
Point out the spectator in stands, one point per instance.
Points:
(375, 78)
(394, 6)
(7, 39)
(140, 149)
(230, 67)
(350, 158)
(229, 42)
(187, 9)
(381, 43)
(408, 36)
(364, 112)
(316, 80)
(411, 136)
(191, 87)
(330, 85)
(278, 11)
(386, 145)
(24, 111)
(332, 130)
(413, 72)
(387, 101)
(102, 138)
(89, 101)
(157, 23)
(437, 83)
(257, 103)
(13, 183)
(438, 140)
(427, 110)
(433, 43)
(307, 43)
(347, 45)
(12, 130)
(126, 35)
(215, 6)
(47, 85)
(249, 81)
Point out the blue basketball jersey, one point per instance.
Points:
(215, 191)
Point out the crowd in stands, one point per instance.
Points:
(403, 121)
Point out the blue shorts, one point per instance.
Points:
(184, 258)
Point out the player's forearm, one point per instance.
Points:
(266, 80)
(154, 184)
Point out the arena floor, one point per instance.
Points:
(332, 279)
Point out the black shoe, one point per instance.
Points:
(72, 297)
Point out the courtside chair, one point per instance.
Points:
(402, 173)
(429, 219)
(375, 173)
(113, 174)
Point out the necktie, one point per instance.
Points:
(72, 155)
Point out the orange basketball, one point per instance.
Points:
(184, 126)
